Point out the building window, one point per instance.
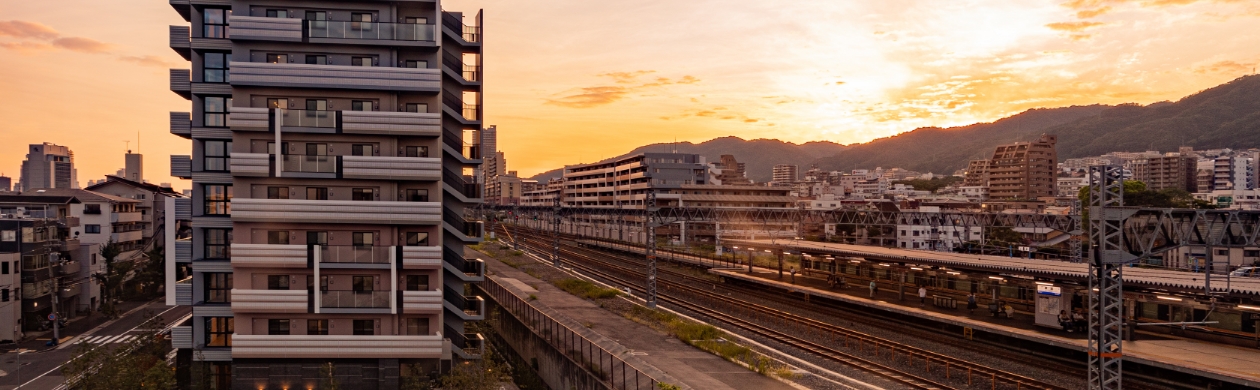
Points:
(316, 238)
(361, 105)
(316, 59)
(219, 331)
(362, 283)
(415, 64)
(417, 326)
(4, 268)
(365, 194)
(91, 208)
(277, 103)
(218, 287)
(214, 22)
(361, 150)
(273, 58)
(417, 151)
(217, 156)
(318, 19)
(277, 282)
(417, 239)
(8, 235)
(277, 192)
(361, 238)
(364, 327)
(218, 199)
(1251, 253)
(317, 327)
(417, 283)
(216, 111)
(215, 67)
(218, 243)
(416, 195)
(417, 107)
(92, 229)
(317, 193)
(278, 237)
(277, 327)
(278, 13)
(1222, 252)
(4, 294)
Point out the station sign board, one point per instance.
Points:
(1049, 290)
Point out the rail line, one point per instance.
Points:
(852, 339)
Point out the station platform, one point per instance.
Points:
(1226, 363)
(648, 348)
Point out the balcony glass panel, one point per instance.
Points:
(360, 254)
(371, 30)
(354, 299)
(309, 118)
(310, 164)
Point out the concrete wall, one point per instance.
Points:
(554, 367)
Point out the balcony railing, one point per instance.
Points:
(473, 268)
(467, 33)
(470, 72)
(336, 346)
(310, 164)
(467, 110)
(346, 299)
(472, 306)
(468, 228)
(469, 190)
(370, 30)
(309, 118)
(356, 254)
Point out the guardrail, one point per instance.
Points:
(611, 370)
(333, 299)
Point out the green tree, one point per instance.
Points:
(110, 251)
(138, 364)
(1004, 236)
(481, 374)
(152, 272)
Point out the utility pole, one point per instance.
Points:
(555, 234)
(649, 226)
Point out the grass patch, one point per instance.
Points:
(533, 297)
(516, 253)
(710, 339)
(585, 289)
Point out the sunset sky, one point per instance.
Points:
(571, 81)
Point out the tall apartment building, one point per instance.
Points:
(977, 174)
(1234, 172)
(48, 166)
(334, 153)
(44, 259)
(784, 174)
(1024, 170)
(6, 183)
(1174, 170)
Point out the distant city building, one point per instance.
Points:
(603, 184)
(48, 166)
(134, 167)
(731, 172)
(784, 174)
(942, 238)
(1236, 172)
(1024, 170)
(504, 189)
(977, 174)
(1171, 171)
(6, 184)
(1071, 186)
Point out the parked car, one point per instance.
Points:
(1250, 272)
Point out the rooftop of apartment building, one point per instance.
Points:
(167, 191)
(84, 195)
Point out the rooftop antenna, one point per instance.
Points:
(128, 146)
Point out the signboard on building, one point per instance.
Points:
(1049, 290)
(1224, 201)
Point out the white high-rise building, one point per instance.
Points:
(48, 166)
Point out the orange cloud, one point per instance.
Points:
(153, 61)
(600, 95)
(1225, 67)
(1090, 13)
(1073, 26)
(30, 30)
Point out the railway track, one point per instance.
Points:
(952, 368)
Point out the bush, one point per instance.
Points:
(585, 289)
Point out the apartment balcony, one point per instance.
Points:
(348, 299)
(249, 118)
(335, 211)
(71, 267)
(181, 166)
(470, 191)
(371, 33)
(309, 121)
(295, 165)
(255, 28)
(125, 217)
(251, 165)
(336, 347)
(184, 292)
(465, 230)
(422, 257)
(181, 124)
(467, 345)
(183, 209)
(421, 302)
(468, 308)
(181, 337)
(466, 269)
(335, 76)
(453, 24)
(391, 123)
(464, 111)
(180, 41)
(469, 74)
(181, 82)
(134, 235)
(183, 251)
(354, 254)
(269, 256)
(391, 168)
(269, 301)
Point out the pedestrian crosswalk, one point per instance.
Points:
(108, 339)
